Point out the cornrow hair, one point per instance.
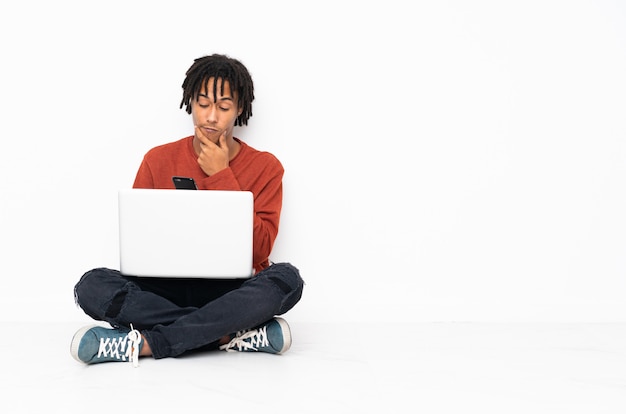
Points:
(222, 67)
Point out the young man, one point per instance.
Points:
(162, 317)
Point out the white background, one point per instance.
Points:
(445, 161)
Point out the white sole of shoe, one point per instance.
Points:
(286, 334)
(76, 341)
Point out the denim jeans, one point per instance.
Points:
(180, 315)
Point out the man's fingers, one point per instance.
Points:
(200, 135)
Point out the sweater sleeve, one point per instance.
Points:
(144, 179)
(267, 207)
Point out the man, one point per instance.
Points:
(162, 317)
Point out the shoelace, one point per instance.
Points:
(247, 340)
(123, 347)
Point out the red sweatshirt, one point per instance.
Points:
(250, 170)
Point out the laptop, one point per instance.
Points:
(186, 234)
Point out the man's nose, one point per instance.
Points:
(211, 114)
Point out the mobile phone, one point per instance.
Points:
(184, 183)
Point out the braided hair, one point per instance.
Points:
(222, 67)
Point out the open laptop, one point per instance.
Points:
(189, 234)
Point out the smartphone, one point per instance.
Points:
(184, 183)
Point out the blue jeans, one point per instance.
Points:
(180, 315)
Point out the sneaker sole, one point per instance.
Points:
(286, 335)
(76, 342)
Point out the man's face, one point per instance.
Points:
(215, 116)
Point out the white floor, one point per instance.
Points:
(338, 368)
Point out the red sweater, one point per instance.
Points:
(250, 170)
